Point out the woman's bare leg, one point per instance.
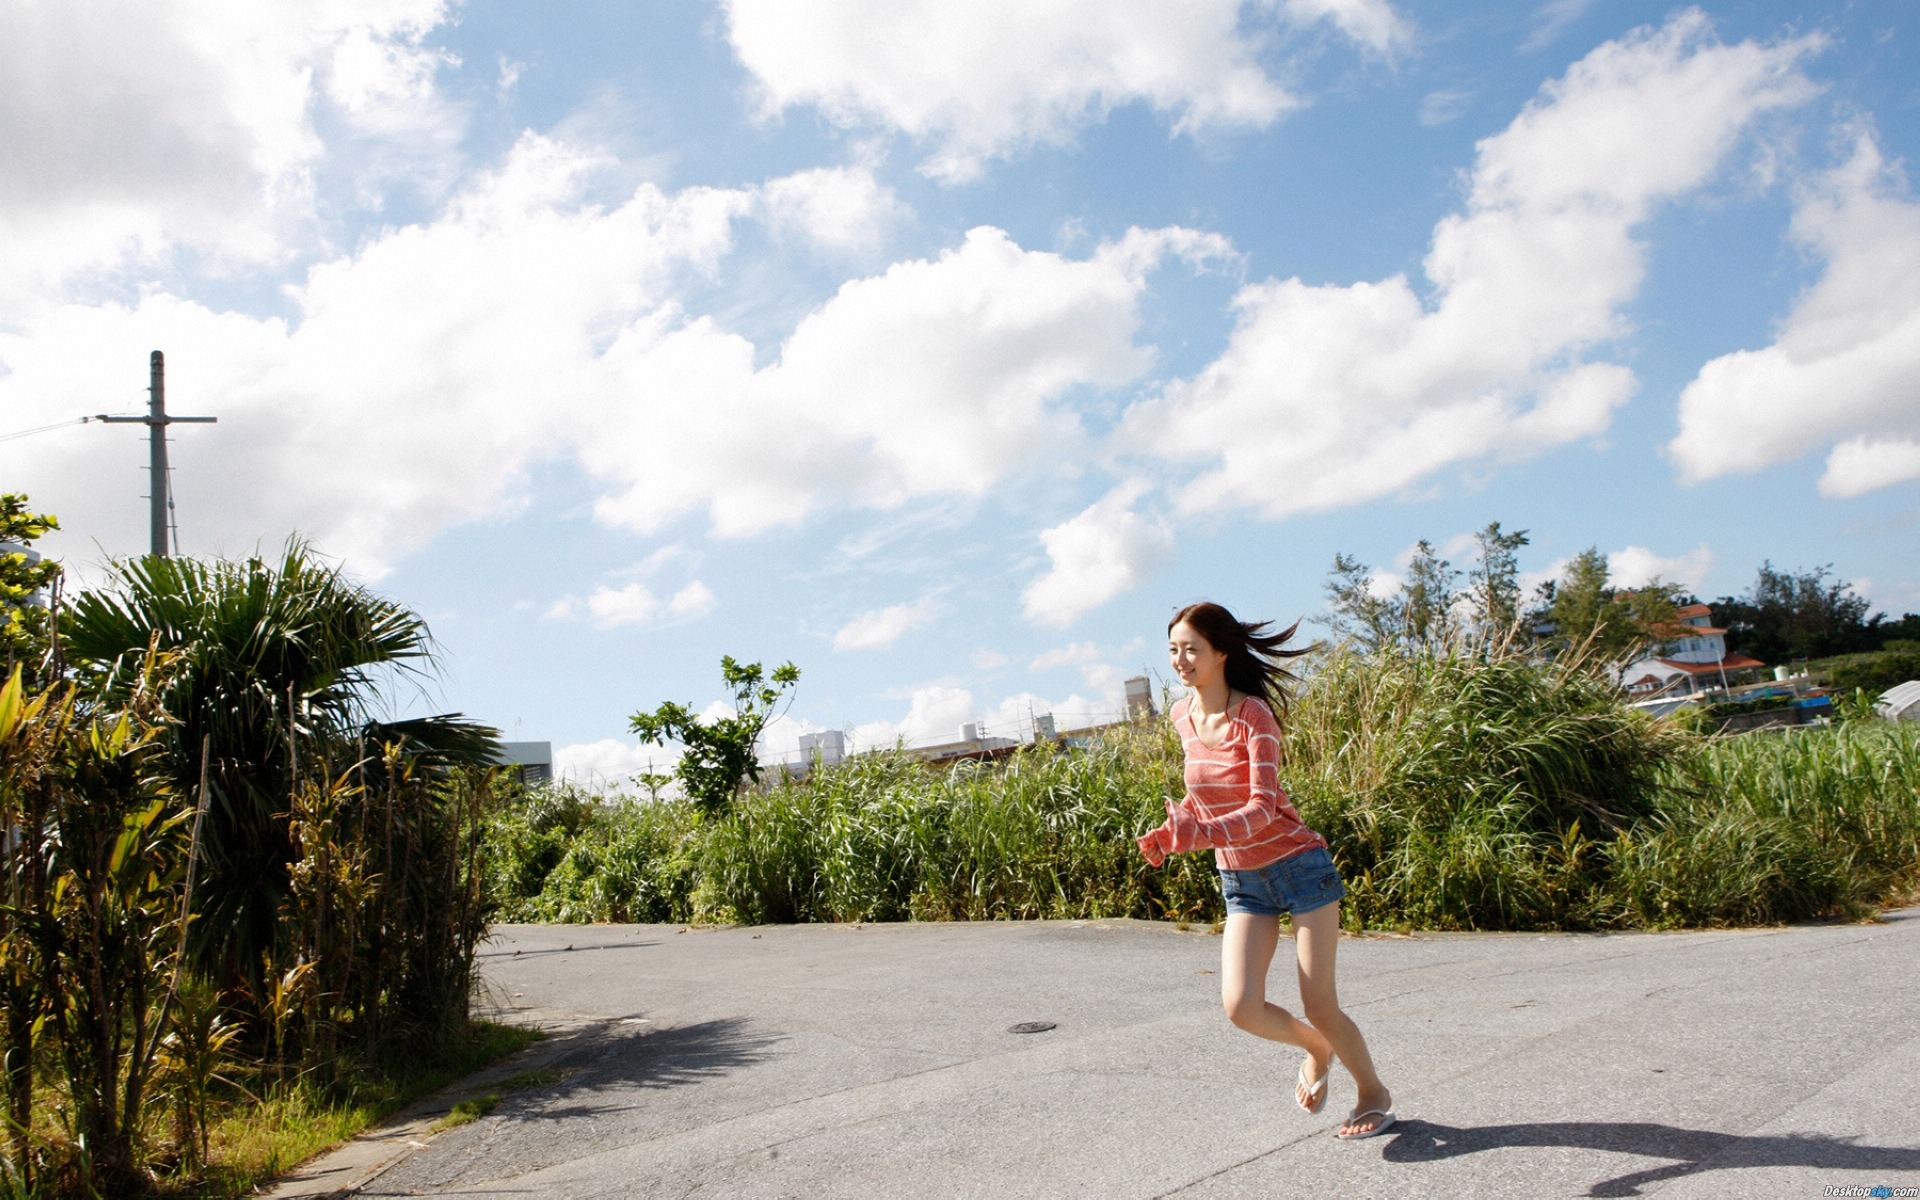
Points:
(1246, 951)
(1316, 936)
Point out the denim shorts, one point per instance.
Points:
(1298, 883)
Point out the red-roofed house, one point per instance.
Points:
(1695, 657)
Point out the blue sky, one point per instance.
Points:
(946, 349)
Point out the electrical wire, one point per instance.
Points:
(20, 433)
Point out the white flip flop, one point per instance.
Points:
(1386, 1122)
(1316, 1092)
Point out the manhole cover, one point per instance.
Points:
(1031, 1027)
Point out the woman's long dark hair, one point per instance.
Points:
(1254, 656)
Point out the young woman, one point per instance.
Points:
(1269, 862)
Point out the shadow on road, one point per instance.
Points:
(1695, 1150)
(663, 1058)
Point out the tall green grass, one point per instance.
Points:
(1776, 826)
(1456, 791)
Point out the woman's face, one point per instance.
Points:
(1193, 659)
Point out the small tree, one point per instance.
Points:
(1429, 596)
(1354, 611)
(1614, 623)
(1421, 612)
(1495, 587)
(719, 759)
(23, 623)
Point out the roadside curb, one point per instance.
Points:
(348, 1168)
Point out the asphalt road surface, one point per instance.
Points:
(879, 1060)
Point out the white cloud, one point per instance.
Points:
(1552, 19)
(423, 375)
(693, 600)
(1095, 556)
(633, 604)
(1857, 467)
(841, 208)
(936, 712)
(1843, 365)
(1073, 655)
(881, 627)
(987, 78)
(1372, 24)
(1637, 566)
(610, 762)
(1439, 108)
(431, 368)
(988, 659)
(935, 377)
(1328, 396)
(131, 127)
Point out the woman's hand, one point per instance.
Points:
(1153, 844)
(1183, 829)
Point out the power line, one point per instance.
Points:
(20, 433)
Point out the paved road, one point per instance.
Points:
(877, 1061)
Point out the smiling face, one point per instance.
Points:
(1193, 658)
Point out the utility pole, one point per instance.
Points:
(156, 421)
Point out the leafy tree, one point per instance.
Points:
(1495, 588)
(719, 758)
(1613, 623)
(1787, 615)
(1355, 613)
(23, 622)
(1429, 595)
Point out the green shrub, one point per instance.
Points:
(1876, 672)
(1456, 791)
(1777, 826)
(1459, 792)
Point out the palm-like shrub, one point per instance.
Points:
(278, 667)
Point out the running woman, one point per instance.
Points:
(1269, 862)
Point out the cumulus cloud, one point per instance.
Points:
(131, 127)
(936, 377)
(424, 373)
(634, 604)
(432, 367)
(984, 79)
(1857, 467)
(610, 763)
(1095, 556)
(839, 208)
(1637, 566)
(1331, 395)
(1842, 367)
(882, 627)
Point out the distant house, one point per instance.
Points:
(1693, 657)
(531, 761)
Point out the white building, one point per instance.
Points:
(1695, 657)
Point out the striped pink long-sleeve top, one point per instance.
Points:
(1234, 790)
